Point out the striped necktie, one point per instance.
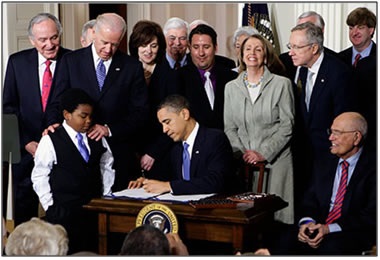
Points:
(336, 211)
(357, 58)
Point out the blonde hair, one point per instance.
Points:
(37, 237)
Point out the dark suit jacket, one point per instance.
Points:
(289, 66)
(122, 104)
(210, 166)
(164, 82)
(192, 88)
(364, 81)
(332, 94)
(359, 205)
(22, 94)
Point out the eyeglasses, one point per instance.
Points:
(296, 48)
(172, 38)
(339, 133)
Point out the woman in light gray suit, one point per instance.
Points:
(259, 118)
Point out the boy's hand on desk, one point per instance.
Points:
(136, 184)
(156, 186)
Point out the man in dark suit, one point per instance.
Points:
(325, 93)
(348, 226)
(207, 104)
(175, 31)
(209, 150)
(316, 19)
(362, 24)
(22, 96)
(121, 102)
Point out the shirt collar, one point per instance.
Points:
(365, 53)
(71, 132)
(353, 159)
(191, 139)
(172, 62)
(317, 64)
(97, 58)
(42, 60)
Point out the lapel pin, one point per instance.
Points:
(117, 69)
(322, 80)
(197, 152)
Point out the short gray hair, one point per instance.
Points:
(111, 20)
(313, 33)
(176, 23)
(37, 237)
(244, 30)
(319, 21)
(43, 17)
(88, 25)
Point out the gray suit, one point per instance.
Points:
(267, 127)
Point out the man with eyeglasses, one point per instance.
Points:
(362, 58)
(325, 93)
(339, 213)
(292, 71)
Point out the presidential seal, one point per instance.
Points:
(159, 216)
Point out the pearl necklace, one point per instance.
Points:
(252, 85)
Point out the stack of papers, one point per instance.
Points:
(141, 194)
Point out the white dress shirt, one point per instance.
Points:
(45, 158)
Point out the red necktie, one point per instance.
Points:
(46, 85)
(357, 58)
(336, 212)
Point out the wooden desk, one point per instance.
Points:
(228, 225)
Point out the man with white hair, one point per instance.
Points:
(116, 82)
(176, 35)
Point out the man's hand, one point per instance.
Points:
(154, 186)
(31, 147)
(312, 227)
(323, 230)
(177, 247)
(51, 128)
(146, 162)
(136, 184)
(97, 132)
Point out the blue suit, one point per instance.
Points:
(122, 104)
(22, 96)
(210, 166)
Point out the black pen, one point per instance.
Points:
(143, 173)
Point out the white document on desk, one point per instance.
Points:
(135, 194)
(143, 195)
(182, 198)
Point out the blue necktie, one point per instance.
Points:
(101, 74)
(82, 147)
(186, 162)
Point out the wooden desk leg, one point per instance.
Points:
(237, 238)
(103, 232)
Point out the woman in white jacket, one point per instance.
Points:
(259, 118)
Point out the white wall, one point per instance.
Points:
(284, 15)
